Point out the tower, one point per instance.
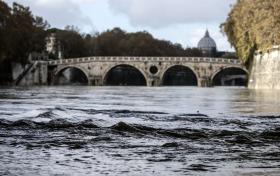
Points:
(53, 46)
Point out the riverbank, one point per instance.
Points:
(265, 68)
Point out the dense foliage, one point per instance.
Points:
(253, 25)
(20, 33)
(117, 42)
(73, 44)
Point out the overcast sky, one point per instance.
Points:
(180, 21)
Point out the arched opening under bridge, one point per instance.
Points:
(230, 77)
(71, 76)
(124, 75)
(179, 76)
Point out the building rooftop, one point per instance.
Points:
(207, 42)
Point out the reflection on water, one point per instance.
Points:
(139, 130)
(255, 102)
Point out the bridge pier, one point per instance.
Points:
(153, 81)
(95, 81)
(205, 82)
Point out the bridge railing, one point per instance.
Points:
(144, 59)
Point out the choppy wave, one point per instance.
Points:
(169, 145)
(42, 132)
(234, 136)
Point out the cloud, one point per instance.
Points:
(162, 13)
(182, 21)
(60, 13)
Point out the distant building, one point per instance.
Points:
(51, 43)
(53, 46)
(207, 45)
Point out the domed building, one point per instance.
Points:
(207, 45)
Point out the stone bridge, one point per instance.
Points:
(149, 71)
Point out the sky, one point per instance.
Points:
(179, 21)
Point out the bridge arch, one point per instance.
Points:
(230, 76)
(124, 75)
(179, 75)
(75, 75)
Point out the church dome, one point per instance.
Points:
(207, 43)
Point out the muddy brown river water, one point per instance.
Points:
(139, 131)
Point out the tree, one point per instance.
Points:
(190, 52)
(253, 25)
(109, 42)
(4, 17)
(117, 42)
(27, 33)
(21, 33)
(73, 44)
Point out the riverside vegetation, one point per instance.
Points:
(253, 25)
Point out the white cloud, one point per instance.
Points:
(189, 35)
(162, 13)
(182, 21)
(60, 12)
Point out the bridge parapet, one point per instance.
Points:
(145, 59)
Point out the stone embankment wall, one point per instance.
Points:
(30, 74)
(265, 70)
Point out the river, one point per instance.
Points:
(139, 131)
